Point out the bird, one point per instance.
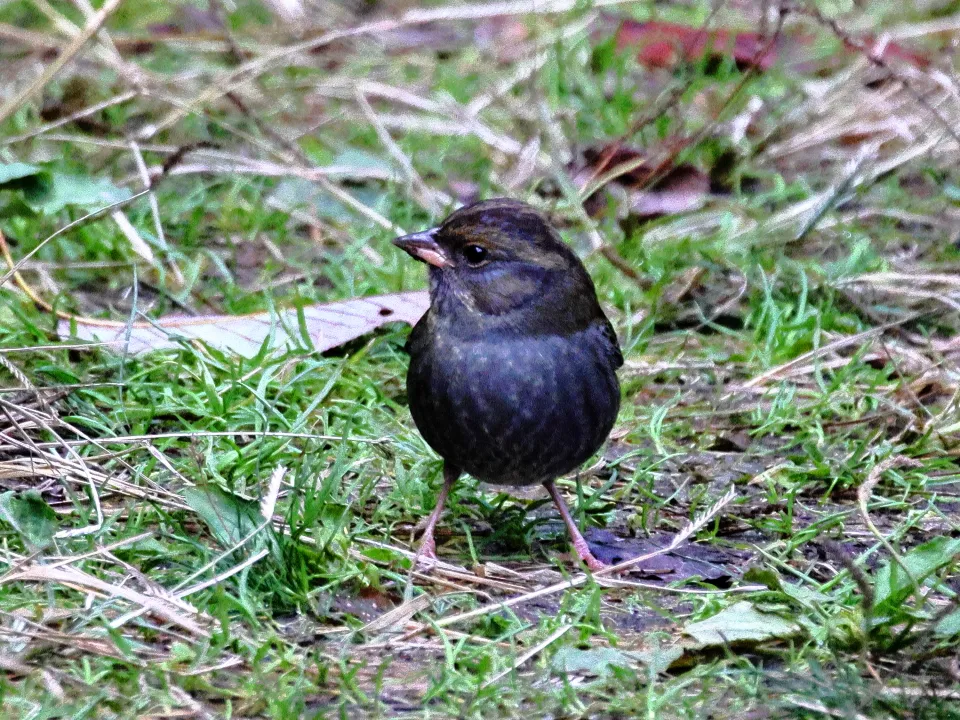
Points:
(513, 367)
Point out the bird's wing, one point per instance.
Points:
(612, 344)
(417, 336)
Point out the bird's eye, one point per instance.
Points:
(475, 254)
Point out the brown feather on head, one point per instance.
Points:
(499, 255)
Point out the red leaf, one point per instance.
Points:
(662, 44)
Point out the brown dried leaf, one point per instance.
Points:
(687, 561)
(328, 326)
(683, 189)
(652, 188)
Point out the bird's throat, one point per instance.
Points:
(514, 304)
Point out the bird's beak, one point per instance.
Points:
(424, 247)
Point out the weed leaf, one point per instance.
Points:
(29, 514)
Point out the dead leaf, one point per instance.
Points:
(664, 44)
(892, 50)
(690, 560)
(683, 189)
(326, 326)
(652, 188)
(682, 286)
(398, 616)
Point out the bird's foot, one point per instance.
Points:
(583, 552)
(427, 552)
(579, 542)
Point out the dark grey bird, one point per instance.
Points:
(513, 368)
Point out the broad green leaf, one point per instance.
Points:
(658, 659)
(63, 190)
(380, 555)
(48, 192)
(24, 180)
(741, 622)
(297, 193)
(17, 171)
(950, 625)
(357, 159)
(150, 546)
(29, 514)
(802, 594)
(893, 585)
(230, 518)
(594, 661)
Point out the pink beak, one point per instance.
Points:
(423, 247)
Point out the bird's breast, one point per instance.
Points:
(514, 410)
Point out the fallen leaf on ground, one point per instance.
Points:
(663, 45)
(593, 661)
(690, 560)
(320, 327)
(601, 661)
(682, 189)
(651, 189)
(48, 191)
(741, 622)
(29, 514)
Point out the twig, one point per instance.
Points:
(432, 200)
(863, 497)
(74, 577)
(73, 117)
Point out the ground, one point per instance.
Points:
(767, 197)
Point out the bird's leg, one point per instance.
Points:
(428, 547)
(579, 542)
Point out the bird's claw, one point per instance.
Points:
(427, 553)
(591, 562)
(583, 552)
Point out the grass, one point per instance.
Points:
(790, 340)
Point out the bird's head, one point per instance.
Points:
(496, 257)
